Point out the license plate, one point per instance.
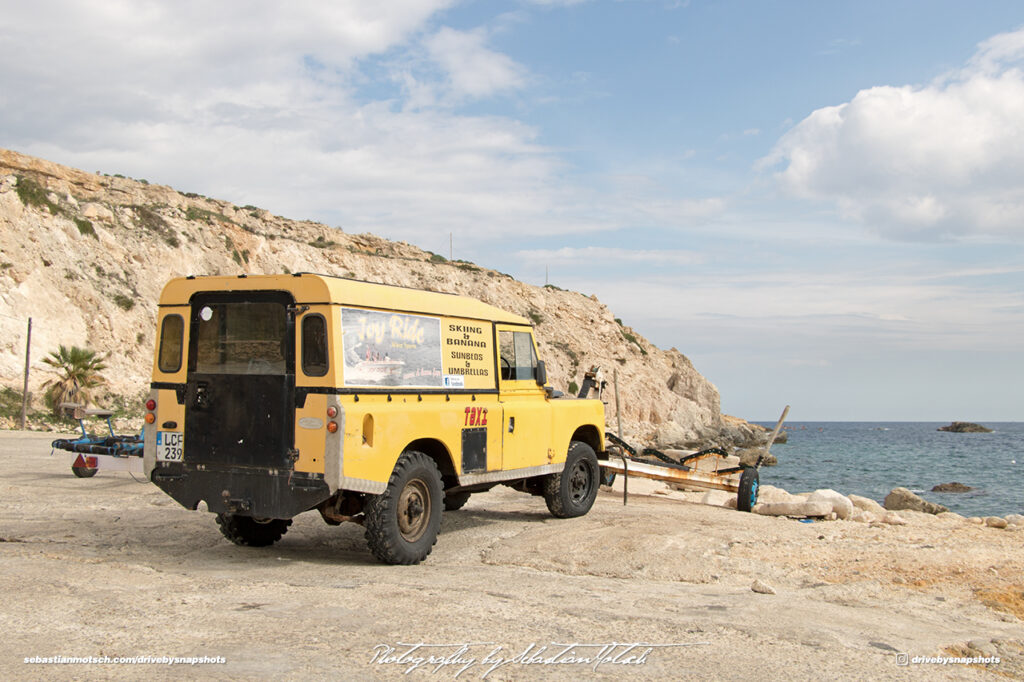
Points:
(170, 446)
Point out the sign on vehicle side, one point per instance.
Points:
(415, 351)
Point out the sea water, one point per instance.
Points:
(872, 458)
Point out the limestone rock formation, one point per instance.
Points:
(867, 504)
(901, 498)
(86, 256)
(841, 505)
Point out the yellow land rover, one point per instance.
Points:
(277, 394)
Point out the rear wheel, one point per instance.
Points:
(402, 522)
(746, 498)
(455, 501)
(572, 492)
(250, 532)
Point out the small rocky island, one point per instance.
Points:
(965, 427)
(954, 487)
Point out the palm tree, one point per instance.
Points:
(79, 374)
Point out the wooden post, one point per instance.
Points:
(778, 426)
(24, 393)
(618, 418)
(771, 438)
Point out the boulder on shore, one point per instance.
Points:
(953, 487)
(840, 504)
(965, 427)
(749, 457)
(867, 504)
(901, 498)
(800, 507)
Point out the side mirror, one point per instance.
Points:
(541, 373)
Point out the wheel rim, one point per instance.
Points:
(414, 510)
(579, 482)
(753, 494)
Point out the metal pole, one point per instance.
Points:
(618, 418)
(24, 392)
(450, 241)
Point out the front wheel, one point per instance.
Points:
(573, 491)
(746, 498)
(402, 522)
(247, 531)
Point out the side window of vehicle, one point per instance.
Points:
(314, 345)
(172, 336)
(518, 360)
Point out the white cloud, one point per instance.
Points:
(263, 103)
(589, 256)
(936, 160)
(472, 69)
(810, 311)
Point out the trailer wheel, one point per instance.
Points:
(402, 522)
(573, 491)
(455, 501)
(746, 498)
(250, 532)
(84, 471)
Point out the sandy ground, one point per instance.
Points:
(109, 566)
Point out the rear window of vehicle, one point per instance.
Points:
(172, 335)
(314, 345)
(241, 338)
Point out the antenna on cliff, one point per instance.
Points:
(545, 275)
(449, 246)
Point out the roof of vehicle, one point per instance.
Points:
(313, 288)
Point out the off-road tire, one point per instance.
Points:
(572, 492)
(455, 501)
(249, 532)
(746, 498)
(84, 472)
(402, 522)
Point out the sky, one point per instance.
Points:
(821, 204)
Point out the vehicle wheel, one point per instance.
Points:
(84, 472)
(746, 498)
(247, 531)
(403, 521)
(572, 492)
(455, 501)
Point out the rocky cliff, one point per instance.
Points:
(86, 256)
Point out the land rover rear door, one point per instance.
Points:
(240, 390)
